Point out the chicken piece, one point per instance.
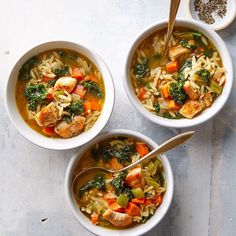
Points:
(117, 219)
(68, 130)
(48, 115)
(207, 99)
(66, 83)
(190, 109)
(190, 91)
(134, 178)
(176, 52)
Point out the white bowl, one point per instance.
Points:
(207, 113)
(133, 231)
(59, 143)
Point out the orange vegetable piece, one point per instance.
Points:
(157, 200)
(173, 105)
(138, 200)
(77, 74)
(165, 90)
(142, 92)
(87, 106)
(94, 218)
(116, 207)
(147, 202)
(115, 164)
(80, 90)
(95, 104)
(46, 79)
(108, 199)
(49, 131)
(172, 67)
(132, 209)
(142, 149)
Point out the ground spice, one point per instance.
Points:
(209, 11)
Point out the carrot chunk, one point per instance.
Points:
(138, 200)
(114, 164)
(77, 74)
(142, 149)
(142, 92)
(172, 67)
(116, 207)
(165, 90)
(132, 209)
(49, 131)
(173, 105)
(87, 106)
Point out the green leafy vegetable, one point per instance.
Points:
(122, 154)
(177, 93)
(36, 95)
(157, 108)
(215, 87)
(75, 108)
(141, 69)
(93, 88)
(148, 85)
(204, 75)
(62, 72)
(184, 43)
(209, 52)
(70, 59)
(181, 77)
(119, 185)
(24, 73)
(98, 182)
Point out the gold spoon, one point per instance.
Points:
(174, 6)
(166, 146)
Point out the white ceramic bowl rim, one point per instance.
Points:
(207, 113)
(59, 143)
(134, 231)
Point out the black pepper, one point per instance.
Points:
(208, 11)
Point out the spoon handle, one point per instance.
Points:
(171, 143)
(174, 6)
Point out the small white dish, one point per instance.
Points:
(216, 105)
(135, 230)
(220, 23)
(59, 143)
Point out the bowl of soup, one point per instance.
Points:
(60, 95)
(185, 87)
(128, 202)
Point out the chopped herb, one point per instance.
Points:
(118, 182)
(148, 85)
(177, 93)
(204, 75)
(93, 88)
(157, 108)
(141, 69)
(98, 182)
(127, 191)
(184, 43)
(62, 72)
(75, 108)
(24, 73)
(209, 52)
(35, 94)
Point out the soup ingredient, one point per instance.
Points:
(208, 11)
(177, 51)
(134, 177)
(132, 209)
(62, 72)
(142, 149)
(177, 93)
(215, 87)
(117, 219)
(49, 131)
(190, 91)
(98, 182)
(75, 108)
(172, 67)
(122, 200)
(24, 73)
(71, 129)
(204, 75)
(138, 192)
(93, 88)
(35, 95)
(141, 70)
(77, 74)
(66, 83)
(190, 109)
(48, 116)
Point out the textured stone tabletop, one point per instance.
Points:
(31, 178)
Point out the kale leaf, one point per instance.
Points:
(98, 182)
(177, 93)
(75, 108)
(36, 95)
(62, 72)
(204, 75)
(209, 52)
(93, 88)
(141, 69)
(157, 108)
(184, 43)
(24, 73)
